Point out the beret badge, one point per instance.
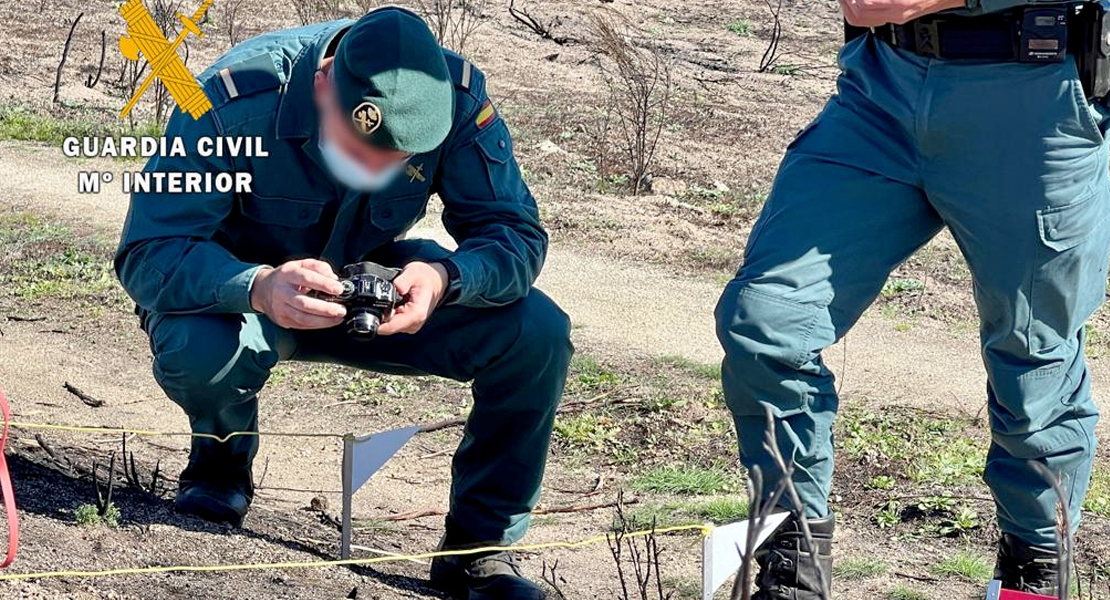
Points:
(367, 118)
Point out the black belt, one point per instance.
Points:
(996, 36)
(955, 38)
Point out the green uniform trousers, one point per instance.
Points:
(517, 356)
(1012, 160)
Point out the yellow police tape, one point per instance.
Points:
(705, 530)
(152, 433)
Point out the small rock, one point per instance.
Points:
(549, 147)
(665, 186)
(721, 186)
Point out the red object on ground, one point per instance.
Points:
(995, 592)
(7, 489)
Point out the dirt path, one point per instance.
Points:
(618, 307)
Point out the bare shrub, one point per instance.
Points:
(639, 87)
(315, 11)
(65, 55)
(454, 21)
(165, 17)
(233, 27)
(365, 6)
(770, 57)
(646, 581)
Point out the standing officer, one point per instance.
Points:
(362, 122)
(975, 119)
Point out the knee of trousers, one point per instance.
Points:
(537, 341)
(1040, 408)
(770, 343)
(201, 364)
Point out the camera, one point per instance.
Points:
(369, 295)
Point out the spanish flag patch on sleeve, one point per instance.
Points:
(486, 115)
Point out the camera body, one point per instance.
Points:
(369, 296)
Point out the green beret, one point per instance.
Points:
(393, 81)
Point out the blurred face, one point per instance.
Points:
(336, 130)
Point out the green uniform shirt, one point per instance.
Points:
(199, 253)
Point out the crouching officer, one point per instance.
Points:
(361, 122)
(980, 119)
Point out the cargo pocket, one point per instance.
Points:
(1069, 279)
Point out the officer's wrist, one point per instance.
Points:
(256, 290)
(454, 284)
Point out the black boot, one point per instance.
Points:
(486, 576)
(1027, 568)
(788, 570)
(216, 485)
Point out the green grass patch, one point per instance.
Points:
(40, 260)
(592, 375)
(965, 565)
(957, 461)
(881, 482)
(1098, 496)
(898, 287)
(647, 516)
(20, 123)
(906, 592)
(860, 567)
(742, 28)
(726, 509)
(711, 371)
(720, 510)
(684, 480)
(931, 450)
(586, 431)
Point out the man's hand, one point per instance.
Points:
(875, 13)
(282, 295)
(423, 286)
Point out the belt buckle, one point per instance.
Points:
(926, 39)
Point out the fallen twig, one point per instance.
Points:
(19, 319)
(915, 577)
(87, 399)
(544, 31)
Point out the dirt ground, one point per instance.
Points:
(639, 276)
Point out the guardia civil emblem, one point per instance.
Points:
(367, 118)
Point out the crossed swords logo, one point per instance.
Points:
(144, 37)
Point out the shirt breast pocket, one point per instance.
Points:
(282, 212)
(495, 146)
(279, 228)
(395, 215)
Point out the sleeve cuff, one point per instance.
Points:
(234, 292)
(454, 281)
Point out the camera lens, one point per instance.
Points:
(364, 325)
